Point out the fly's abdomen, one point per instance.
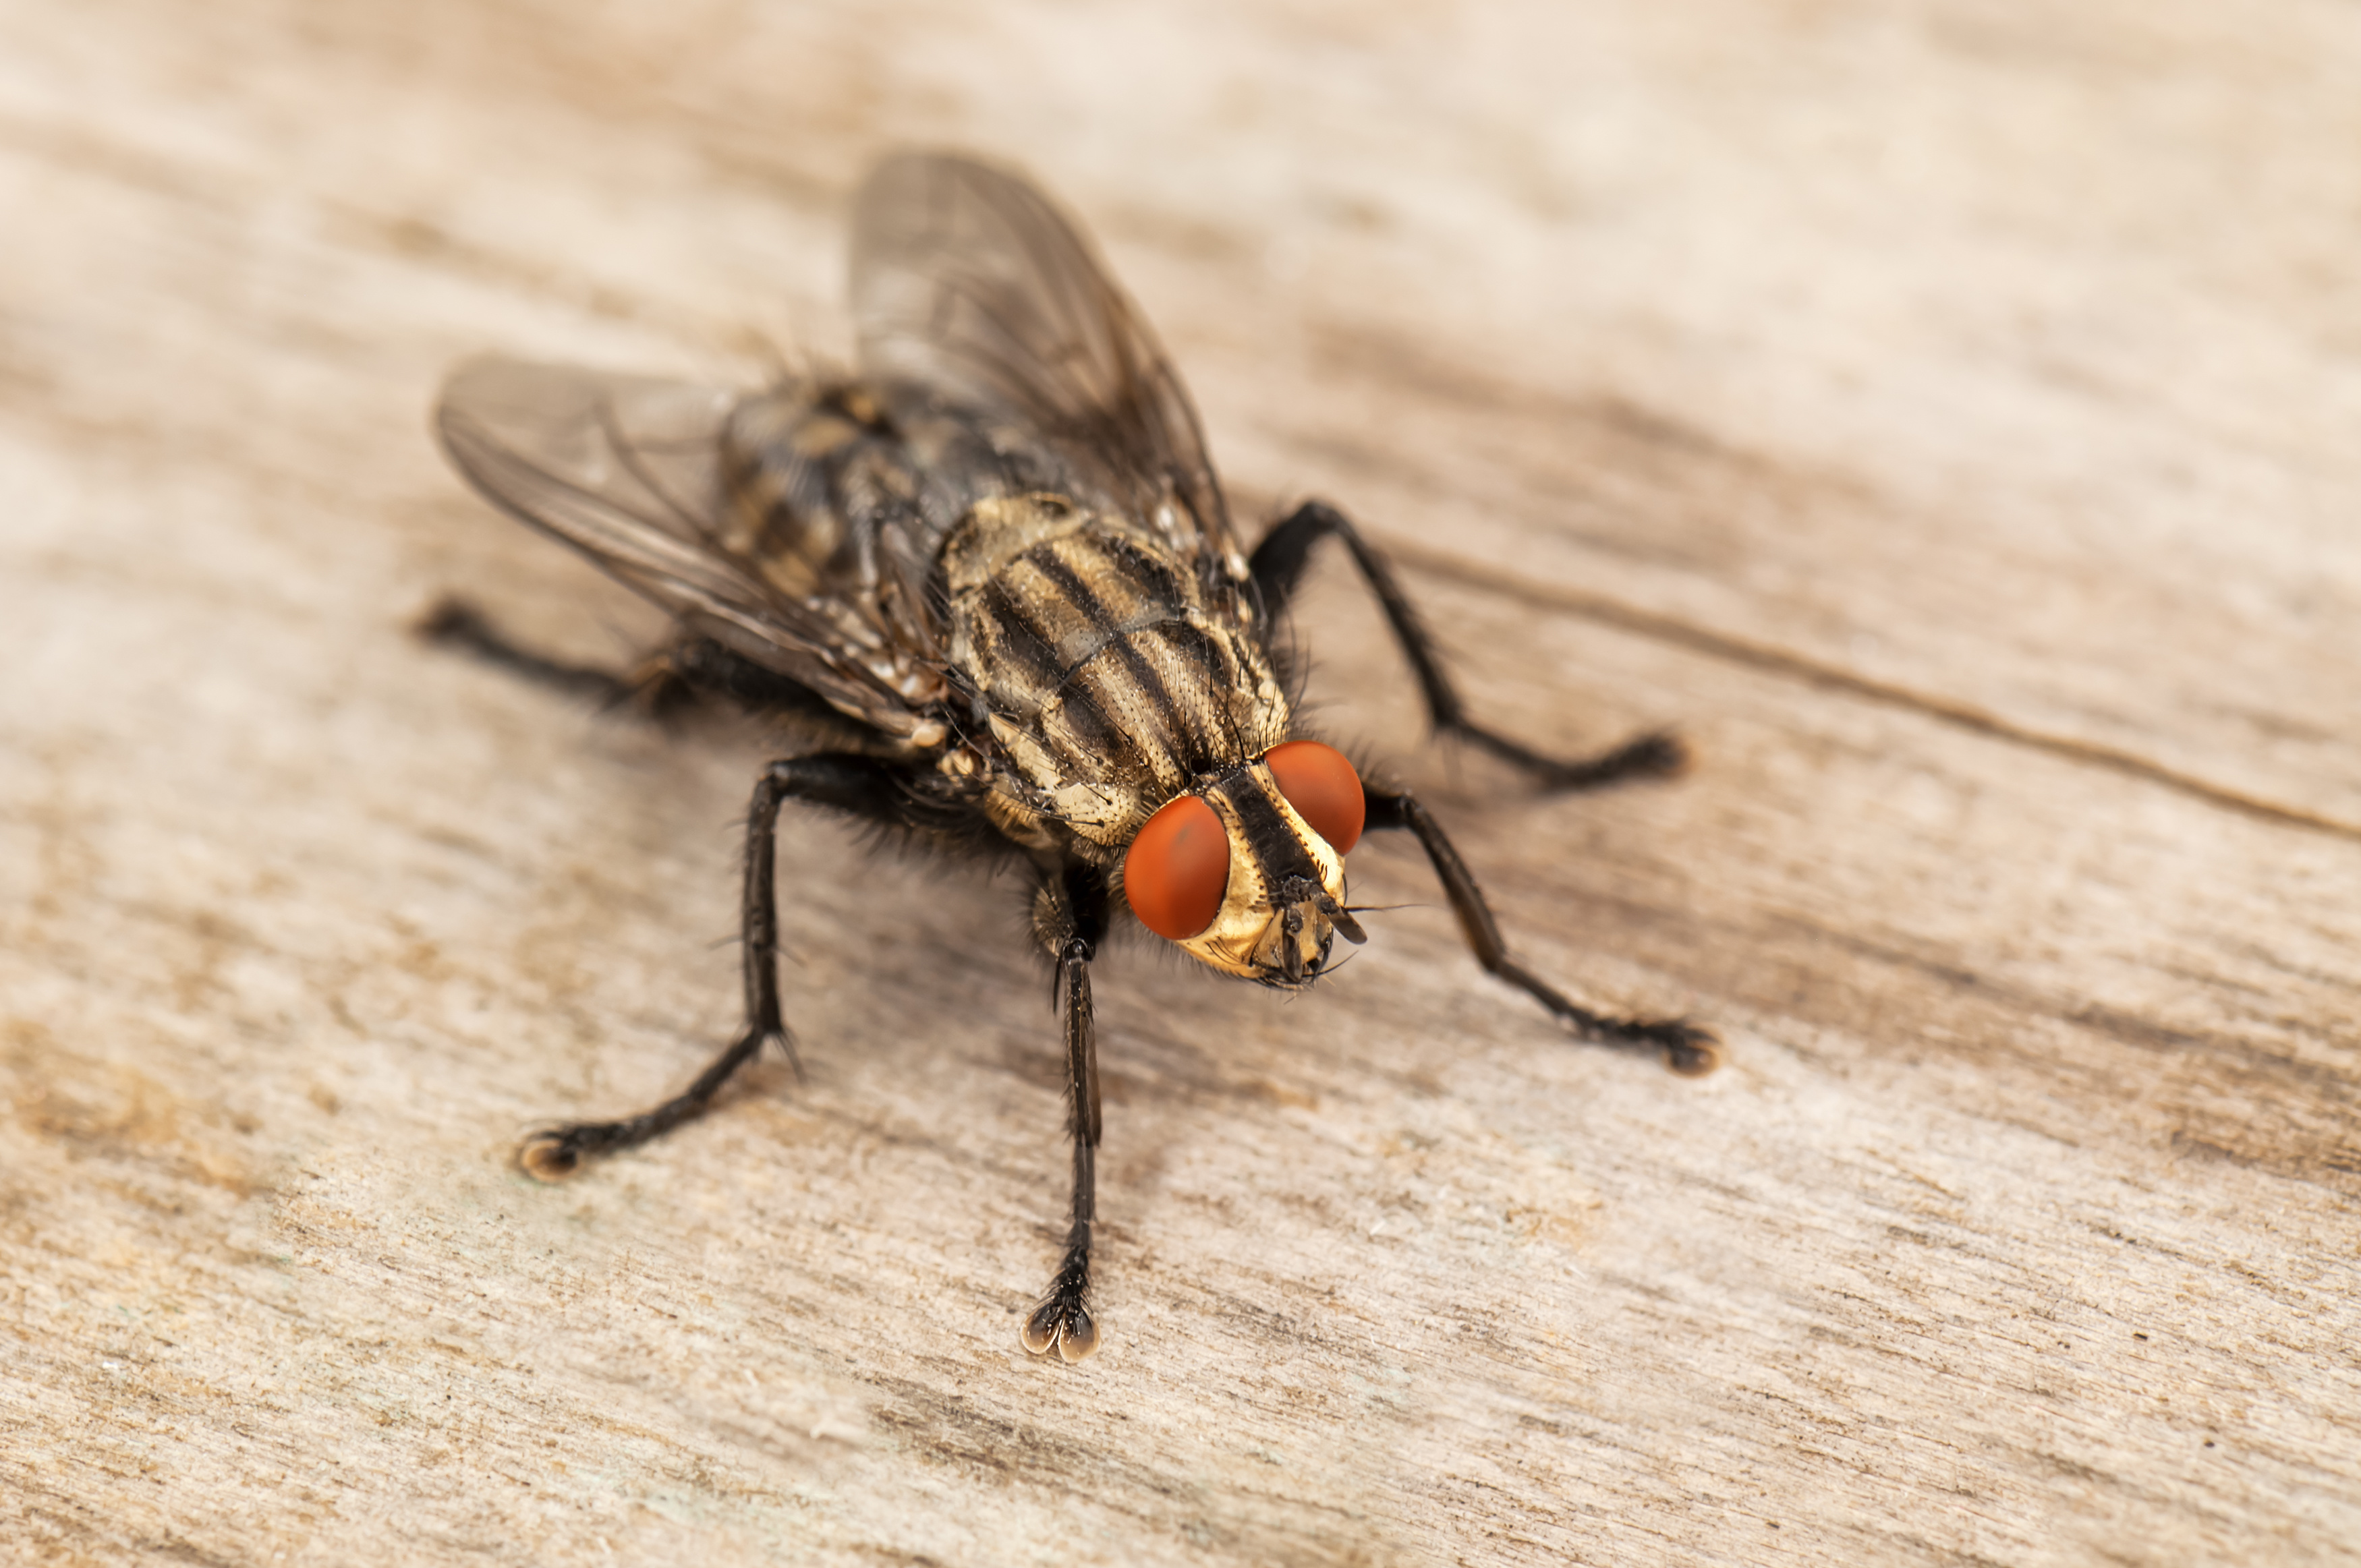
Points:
(1109, 682)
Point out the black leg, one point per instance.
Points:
(1070, 914)
(1687, 1047)
(1278, 566)
(661, 686)
(456, 623)
(860, 787)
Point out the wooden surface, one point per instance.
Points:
(1949, 414)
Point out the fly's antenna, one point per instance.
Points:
(1342, 919)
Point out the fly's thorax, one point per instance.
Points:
(1285, 895)
(1105, 674)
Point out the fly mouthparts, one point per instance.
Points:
(1290, 944)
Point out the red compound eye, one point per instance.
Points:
(1324, 789)
(1178, 869)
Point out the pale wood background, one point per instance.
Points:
(1949, 413)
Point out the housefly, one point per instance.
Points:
(991, 576)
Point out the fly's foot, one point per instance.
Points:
(453, 621)
(1062, 1322)
(1657, 755)
(1690, 1049)
(1660, 755)
(555, 1153)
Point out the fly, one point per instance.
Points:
(991, 580)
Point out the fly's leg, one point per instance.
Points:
(1069, 916)
(456, 623)
(1278, 566)
(659, 686)
(1687, 1047)
(860, 786)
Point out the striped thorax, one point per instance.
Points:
(1108, 684)
(1111, 680)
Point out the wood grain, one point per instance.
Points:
(1942, 412)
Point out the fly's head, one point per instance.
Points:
(1246, 873)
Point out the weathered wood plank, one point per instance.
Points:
(1942, 415)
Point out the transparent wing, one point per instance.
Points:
(969, 285)
(628, 470)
